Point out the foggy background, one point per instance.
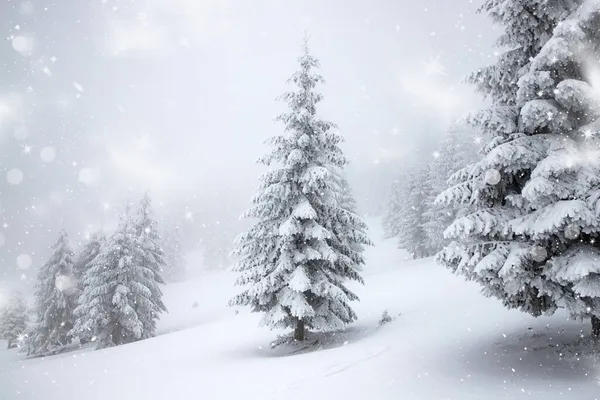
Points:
(102, 100)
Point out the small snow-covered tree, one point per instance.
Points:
(55, 298)
(13, 320)
(390, 220)
(119, 304)
(412, 235)
(84, 259)
(531, 237)
(151, 257)
(175, 265)
(296, 259)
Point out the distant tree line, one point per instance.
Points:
(108, 294)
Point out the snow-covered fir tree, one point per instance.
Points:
(532, 237)
(175, 265)
(412, 235)
(55, 298)
(295, 260)
(13, 320)
(457, 150)
(151, 257)
(396, 207)
(119, 303)
(84, 259)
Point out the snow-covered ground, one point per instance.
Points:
(446, 342)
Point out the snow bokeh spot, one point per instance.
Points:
(64, 283)
(24, 45)
(27, 8)
(87, 176)
(78, 87)
(538, 253)
(21, 132)
(572, 232)
(24, 261)
(492, 176)
(48, 154)
(14, 176)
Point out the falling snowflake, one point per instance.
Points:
(434, 66)
(26, 149)
(587, 133)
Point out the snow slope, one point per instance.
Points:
(448, 343)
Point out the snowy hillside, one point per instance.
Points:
(446, 342)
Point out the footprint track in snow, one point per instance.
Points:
(338, 368)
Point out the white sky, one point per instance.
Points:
(176, 96)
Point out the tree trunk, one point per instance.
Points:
(117, 337)
(299, 331)
(595, 326)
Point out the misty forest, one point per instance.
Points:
(302, 200)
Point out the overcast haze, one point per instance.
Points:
(101, 100)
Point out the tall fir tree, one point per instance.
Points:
(175, 264)
(13, 320)
(118, 304)
(296, 259)
(55, 298)
(151, 257)
(532, 238)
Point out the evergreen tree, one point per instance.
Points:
(457, 150)
(55, 298)
(13, 320)
(151, 257)
(175, 265)
(119, 304)
(297, 257)
(84, 259)
(396, 211)
(532, 237)
(412, 235)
